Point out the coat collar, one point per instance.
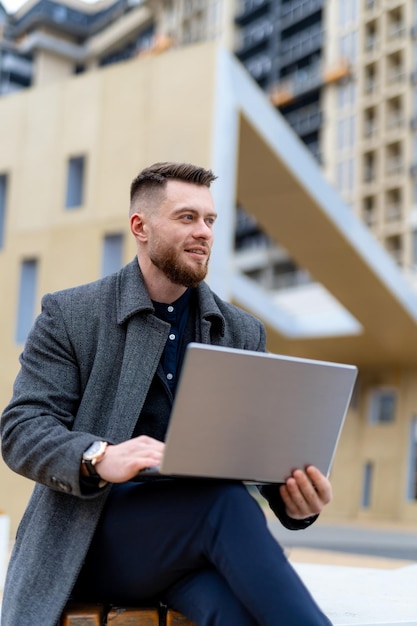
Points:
(132, 297)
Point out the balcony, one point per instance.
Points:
(395, 121)
(253, 36)
(396, 76)
(396, 30)
(371, 44)
(294, 12)
(297, 84)
(306, 120)
(251, 9)
(393, 212)
(259, 66)
(369, 175)
(395, 166)
(371, 86)
(370, 129)
(302, 45)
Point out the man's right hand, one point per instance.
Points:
(123, 461)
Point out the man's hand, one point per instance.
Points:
(306, 493)
(123, 461)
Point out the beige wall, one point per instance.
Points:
(121, 118)
(386, 446)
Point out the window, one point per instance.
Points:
(3, 193)
(394, 245)
(394, 158)
(412, 473)
(75, 182)
(371, 79)
(368, 471)
(27, 298)
(369, 209)
(112, 259)
(382, 406)
(369, 167)
(393, 204)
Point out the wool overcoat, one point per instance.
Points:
(85, 372)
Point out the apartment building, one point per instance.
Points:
(343, 74)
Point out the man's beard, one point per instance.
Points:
(177, 272)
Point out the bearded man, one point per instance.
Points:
(90, 409)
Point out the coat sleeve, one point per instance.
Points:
(272, 495)
(37, 440)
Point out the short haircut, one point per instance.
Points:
(149, 185)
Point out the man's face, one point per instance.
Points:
(180, 233)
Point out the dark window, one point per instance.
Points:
(382, 406)
(112, 258)
(75, 182)
(368, 471)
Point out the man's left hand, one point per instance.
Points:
(306, 493)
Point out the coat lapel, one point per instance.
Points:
(146, 336)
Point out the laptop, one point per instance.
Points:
(254, 416)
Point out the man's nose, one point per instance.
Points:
(202, 230)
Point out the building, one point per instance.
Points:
(343, 75)
(97, 74)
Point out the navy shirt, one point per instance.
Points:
(175, 314)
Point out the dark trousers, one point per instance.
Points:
(201, 547)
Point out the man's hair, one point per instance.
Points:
(149, 185)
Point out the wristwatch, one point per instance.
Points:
(93, 455)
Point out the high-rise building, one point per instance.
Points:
(343, 74)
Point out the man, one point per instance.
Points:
(89, 411)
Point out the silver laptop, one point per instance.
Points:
(254, 416)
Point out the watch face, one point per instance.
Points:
(92, 450)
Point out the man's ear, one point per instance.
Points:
(138, 227)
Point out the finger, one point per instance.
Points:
(306, 487)
(320, 483)
(295, 503)
(300, 497)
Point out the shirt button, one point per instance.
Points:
(172, 336)
(170, 376)
(170, 309)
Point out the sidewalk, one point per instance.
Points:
(357, 589)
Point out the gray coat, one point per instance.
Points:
(85, 373)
